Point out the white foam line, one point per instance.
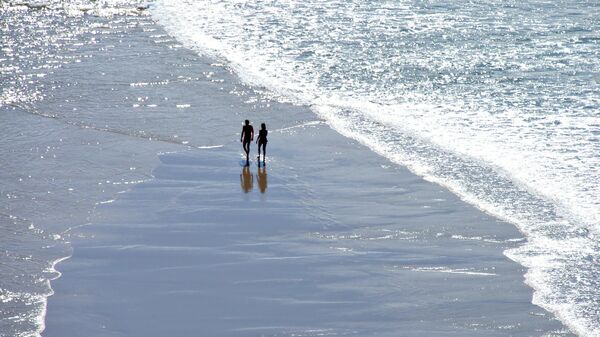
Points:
(482, 239)
(466, 272)
(209, 147)
(447, 270)
(303, 125)
(206, 45)
(41, 319)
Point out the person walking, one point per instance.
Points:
(261, 140)
(246, 137)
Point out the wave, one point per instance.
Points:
(510, 159)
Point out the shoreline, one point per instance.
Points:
(180, 241)
(361, 230)
(323, 173)
(517, 161)
(352, 244)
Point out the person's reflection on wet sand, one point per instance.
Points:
(246, 179)
(261, 176)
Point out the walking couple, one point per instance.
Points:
(247, 136)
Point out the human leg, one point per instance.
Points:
(247, 150)
(264, 147)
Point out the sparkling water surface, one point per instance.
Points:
(52, 172)
(498, 101)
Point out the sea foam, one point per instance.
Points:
(501, 115)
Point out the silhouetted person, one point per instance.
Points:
(261, 140)
(246, 137)
(261, 176)
(246, 179)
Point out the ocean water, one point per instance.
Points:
(83, 116)
(498, 101)
(58, 160)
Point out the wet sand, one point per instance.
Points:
(340, 242)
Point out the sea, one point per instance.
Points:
(497, 101)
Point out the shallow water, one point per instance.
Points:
(496, 101)
(79, 128)
(58, 162)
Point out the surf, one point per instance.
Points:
(491, 125)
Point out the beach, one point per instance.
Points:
(393, 200)
(331, 251)
(328, 239)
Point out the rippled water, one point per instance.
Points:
(499, 101)
(49, 176)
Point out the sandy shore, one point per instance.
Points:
(339, 243)
(331, 239)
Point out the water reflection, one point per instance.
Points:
(246, 179)
(261, 176)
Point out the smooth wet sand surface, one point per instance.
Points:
(340, 243)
